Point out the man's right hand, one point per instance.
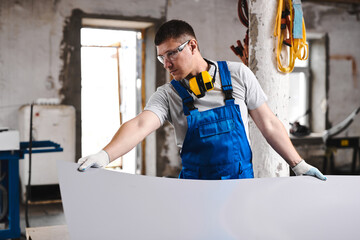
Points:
(100, 159)
(302, 168)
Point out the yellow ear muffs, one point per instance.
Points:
(201, 83)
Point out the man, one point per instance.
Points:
(208, 104)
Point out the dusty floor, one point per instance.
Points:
(41, 215)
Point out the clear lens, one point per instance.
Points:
(171, 55)
(161, 59)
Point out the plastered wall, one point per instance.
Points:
(31, 41)
(35, 50)
(343, 29)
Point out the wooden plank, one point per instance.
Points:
(58, 232)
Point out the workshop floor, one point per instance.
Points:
(41, 215)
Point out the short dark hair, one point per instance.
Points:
(173, 29)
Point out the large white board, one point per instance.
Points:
(103, 204)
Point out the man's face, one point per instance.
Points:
(176, 57)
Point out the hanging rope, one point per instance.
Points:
(242, 50)
(284, 32)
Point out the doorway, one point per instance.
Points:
(110, 88)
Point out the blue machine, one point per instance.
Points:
(9, 184)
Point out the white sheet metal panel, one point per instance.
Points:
(9, 140)
(103, 204)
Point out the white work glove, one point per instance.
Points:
(100, 159)
(302, 168)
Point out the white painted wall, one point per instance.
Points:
(30, 43)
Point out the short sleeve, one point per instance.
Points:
(159, 104)
(254, 94)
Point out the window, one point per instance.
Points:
(299, 93)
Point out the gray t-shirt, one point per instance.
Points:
(248, 94)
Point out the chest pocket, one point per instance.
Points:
(216, 128)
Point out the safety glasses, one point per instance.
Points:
(172, 55)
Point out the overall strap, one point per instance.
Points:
(188, 101)
(225, 80)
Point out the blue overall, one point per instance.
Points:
(215, 146)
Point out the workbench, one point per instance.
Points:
(9, 160)
(330, 146)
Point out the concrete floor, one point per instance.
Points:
(41, 215)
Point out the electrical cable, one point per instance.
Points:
(283, 31)
(4, 197)
(3, 176)
(28, 189)
(242, 50)
(243, 12)
(5, 194)
(5, 204)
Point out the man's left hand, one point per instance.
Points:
(302, 168)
